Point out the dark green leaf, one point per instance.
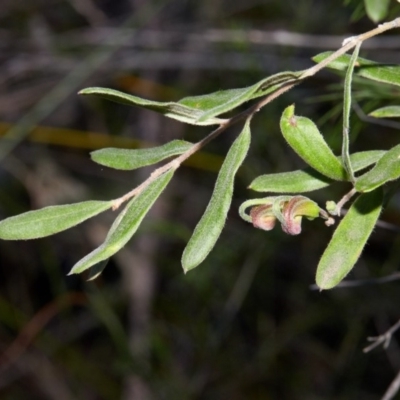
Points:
(50, 220)
(126, 159)
(212, 222)
(376, 9)
(379, 72)
(305, 139)
(200, 110)
(126, 224)
(308, 179)
(178, 111)
(349, 239)
(386, 169)
(226, 100)
(386, 112)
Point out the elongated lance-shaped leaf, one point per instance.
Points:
(126, 224)
(385, 170)
(308, 180)
(200, 110)
(305, 139)
(174, 110)
(386, 112)
(346, 114)
(50, 220)
(376, 9)
(349, 239)
(210, 226)
(126, 159)
(372, 70)
(230, 99)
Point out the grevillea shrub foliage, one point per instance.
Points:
(366, 172)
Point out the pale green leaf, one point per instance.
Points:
(385, 73)
(308, 179)
(376, 9)
(210, 226)
(306, 140)
(385, 170)
(126, 224)
(349, 239)
(386, 112)
(126, 159)
(49, 220)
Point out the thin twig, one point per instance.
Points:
(384, 339)
(343, 201)
(393, 388)
(362, 282)
(376, 121)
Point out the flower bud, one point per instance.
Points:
(293, 211)
(263, 217)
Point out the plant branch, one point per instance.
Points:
(349, 44)
(393, 388)
(384, 339)
(251, 111)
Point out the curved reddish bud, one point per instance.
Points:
(263, 217)
(294, 210)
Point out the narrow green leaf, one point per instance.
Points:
(308, 179)
(386, 112)
(385, 170)
(346, 114)
(126, 159)
(300, 181)
(210, 226)
(200, 110)
(349, 239)
(178, 111)
(126, 224)
(50, 220)
(305, 139)
(376, 9)
(384, 73)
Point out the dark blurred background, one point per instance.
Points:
(246, 324)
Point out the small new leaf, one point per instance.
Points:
(386, 169)
(50, 220)
(210, 226)
(386, 112)
(306, 140)
(126, 159)
(349, 239)
(126, 224)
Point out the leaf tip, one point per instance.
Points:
(289, 111)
